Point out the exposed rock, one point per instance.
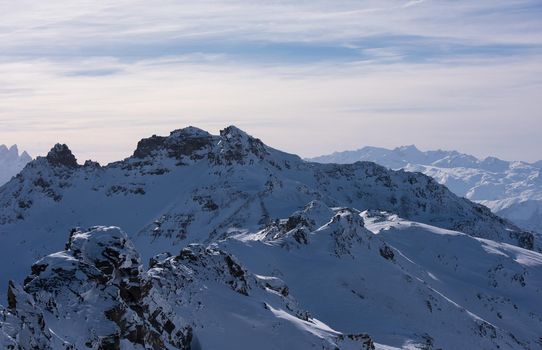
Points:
(187, 142)
(386, 252)
(61, 155)
(96, 295)
(101, 271)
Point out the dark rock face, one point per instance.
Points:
(12, 299)
(146, 147)
(103, 263)
(24, 316)
(386, 252)
(60, 155)
(232, 146)
(525, 239)
(204, 259)
(180, 143)
(238, 145)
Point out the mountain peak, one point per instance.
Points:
(238, 144)
(11, 162)
(61, 155)
(191, 143)
(408, 149)
(179, 143)
(14, 150)
(11, 153)
(233, 131)
(25, 157)
(189, 131)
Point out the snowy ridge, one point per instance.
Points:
(368, 280)
(406, 284)
(512, 190)
(247, 245)
(11, 162)
(195, 187)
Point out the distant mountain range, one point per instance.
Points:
(511, 189)
(11, 162)
(226, 243)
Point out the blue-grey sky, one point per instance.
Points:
(308, 77)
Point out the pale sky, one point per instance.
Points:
(307, 77)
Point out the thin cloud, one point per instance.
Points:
(413, 3)
(377, 71)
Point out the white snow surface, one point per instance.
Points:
(231, 244)
(511, 189)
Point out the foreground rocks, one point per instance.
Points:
(96, 295)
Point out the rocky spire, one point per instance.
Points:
(10, 154)
(60, 154)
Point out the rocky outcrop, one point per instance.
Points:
(191, 143)
(95, 295)
(92, 295)
(61, 155)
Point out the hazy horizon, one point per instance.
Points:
(306, 77)
(130, 152)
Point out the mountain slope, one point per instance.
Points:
(95, 295)
(233, 244)
(11, 162)
(510, 189)
(195, 187)
(404, 283)
(322, 277)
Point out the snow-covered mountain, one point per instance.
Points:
(95, 295)
(232, 244)
(355, 280)
(511, 189)
(11, 162)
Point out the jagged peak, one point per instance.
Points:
(25, 157)
(179, 143)
(234, 132)
(407, 148)
(232, 145)
(189, 131)
(12, 153)
(237, 144)
(61, 155)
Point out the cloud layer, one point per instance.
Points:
(306, 76)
